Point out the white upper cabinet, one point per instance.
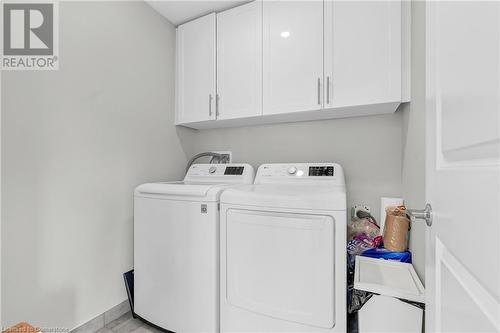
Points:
(239, 62)
(292, 56)
(362, 52)
(276, 61)
(196, 76)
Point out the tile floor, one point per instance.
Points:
(127, 324)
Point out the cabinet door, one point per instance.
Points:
(292, 56)
(362, 52)
(239, 61)
(196, 47)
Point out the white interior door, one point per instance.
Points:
(293, 56)
(463, 166)
(239, 61)
(196, 56)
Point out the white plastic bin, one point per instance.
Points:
(393, 282)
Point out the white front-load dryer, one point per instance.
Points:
(283, 251)
(176, 247)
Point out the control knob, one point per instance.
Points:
(292, 170)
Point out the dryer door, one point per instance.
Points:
(281, 265)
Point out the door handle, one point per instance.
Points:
(319, 91)
(210, 105)
(422, 214)
(217, 105)
(327, 90)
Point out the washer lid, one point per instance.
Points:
(389, 278)
(290, 196)
(181, 191)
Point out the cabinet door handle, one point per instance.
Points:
(217, 105)
(210, 105)
(319, 91)
(327, 90)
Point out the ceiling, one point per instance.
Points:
(179, 12)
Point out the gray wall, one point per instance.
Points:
(413, 171)
(75, 143)
(369, 149)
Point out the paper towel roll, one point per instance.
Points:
(386, 202)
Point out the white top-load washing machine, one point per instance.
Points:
(283, 250)
(176, 247)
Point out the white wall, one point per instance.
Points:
(75, 143)
(369, 149)
(413, 173)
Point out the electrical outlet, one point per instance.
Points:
(225, 153)
(357, 208)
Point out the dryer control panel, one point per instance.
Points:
(300, 172)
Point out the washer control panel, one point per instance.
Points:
(220, 173)
(321, 171)
(234, 170)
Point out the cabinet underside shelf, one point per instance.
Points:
(340, 112)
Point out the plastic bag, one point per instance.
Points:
(364, 226)
(359, 244)
(355, 298)
(363, 235)
(388, 255)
